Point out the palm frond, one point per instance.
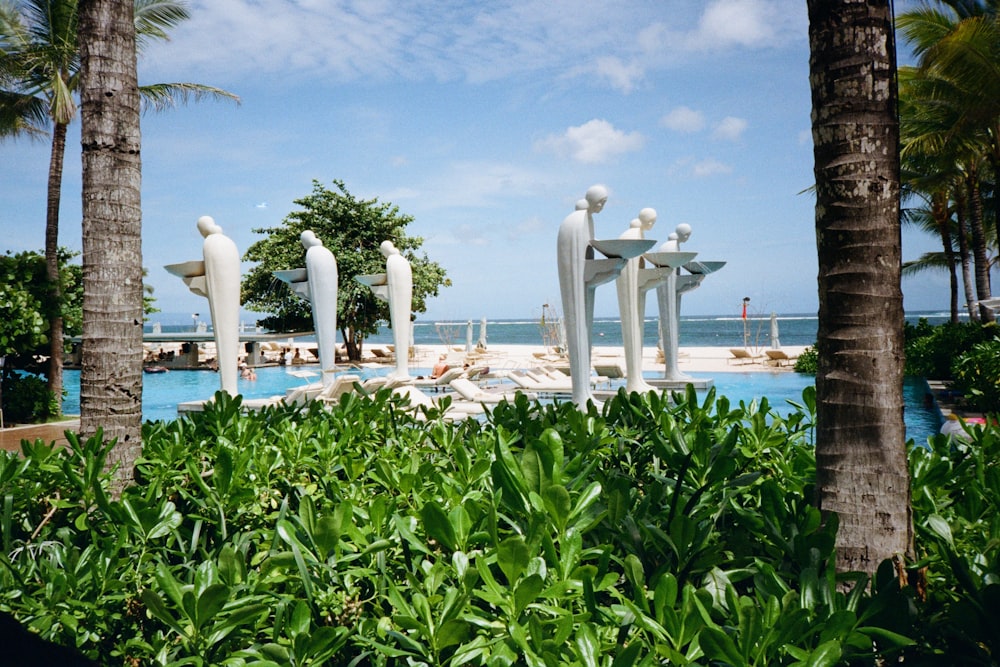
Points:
(154, 18)
(161, 96)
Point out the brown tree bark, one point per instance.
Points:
(861, 463)
(111, 374)
(52, 260)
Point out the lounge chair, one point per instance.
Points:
(609, 369)
(741, 356)
(421, 402)
(779, 358)
(470, 391)
(341, 385)
(442, 380)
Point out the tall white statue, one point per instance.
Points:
(218, 278)
(668, 299)
(396, 287)
(579, 275)
(633, 283)
(318, 284)
(321, 267)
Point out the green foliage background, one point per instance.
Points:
(661, 530)
(353, 230)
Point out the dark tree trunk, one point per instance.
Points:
(965, 256)
(52, 261)
(111, 374)
(861, 463)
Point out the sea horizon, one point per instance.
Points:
(723, 330)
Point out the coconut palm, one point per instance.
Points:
(861, 465)
(943, 166)
(958, 81)
(39, 80)
(111, 375)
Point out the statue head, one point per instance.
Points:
(387, 249)
(683, 232)
(647, 218)
(206, 225)
(309, 239)
(597, 196)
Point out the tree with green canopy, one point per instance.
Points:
(353, 229)
(39, 83)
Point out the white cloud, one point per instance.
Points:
(684, 119)
(594, 142)
(737, 22)
(710, 167)
(729, 128)
(622, 76)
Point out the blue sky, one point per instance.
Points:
(485, 121)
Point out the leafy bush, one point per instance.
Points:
(27, 399)
(808, 361)
(977, 376)
(931, 351)
(660, 530)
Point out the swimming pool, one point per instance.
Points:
(163, 391)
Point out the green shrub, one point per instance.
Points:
(663, 529)
(808, 361)
(977, 376)
(27, 399)
(932, 351)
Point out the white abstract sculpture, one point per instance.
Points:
(580, 274)
(318, 285)
(668, 299)
(396, 287)
(218, 278)
(633, 283)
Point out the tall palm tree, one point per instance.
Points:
(39, 79)
(958, 46)
(935, 159)
(861, 465)
(111, 374)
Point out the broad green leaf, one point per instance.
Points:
(512, 557)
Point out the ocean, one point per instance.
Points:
(695, 331)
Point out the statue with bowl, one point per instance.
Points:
(217, 277)
(396, 287)
(317, 283)
(580, 273)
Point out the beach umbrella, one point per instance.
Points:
(775, 343)
(482, 334)
(468, 337)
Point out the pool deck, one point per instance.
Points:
(10, 438)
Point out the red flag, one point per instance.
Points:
(744, 310)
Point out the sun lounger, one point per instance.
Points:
(470, 391)
(421, 402)
(609, 370)
(341, 385)
(741, 356)
(779, 358)
(441, 381)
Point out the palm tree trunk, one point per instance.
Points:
(965, 257)
(982, 264)
(111, 374)
(861, 465)
(940, 213)
(52, 261)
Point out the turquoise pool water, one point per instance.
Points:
(163, 391)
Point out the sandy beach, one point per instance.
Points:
(690, 359)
